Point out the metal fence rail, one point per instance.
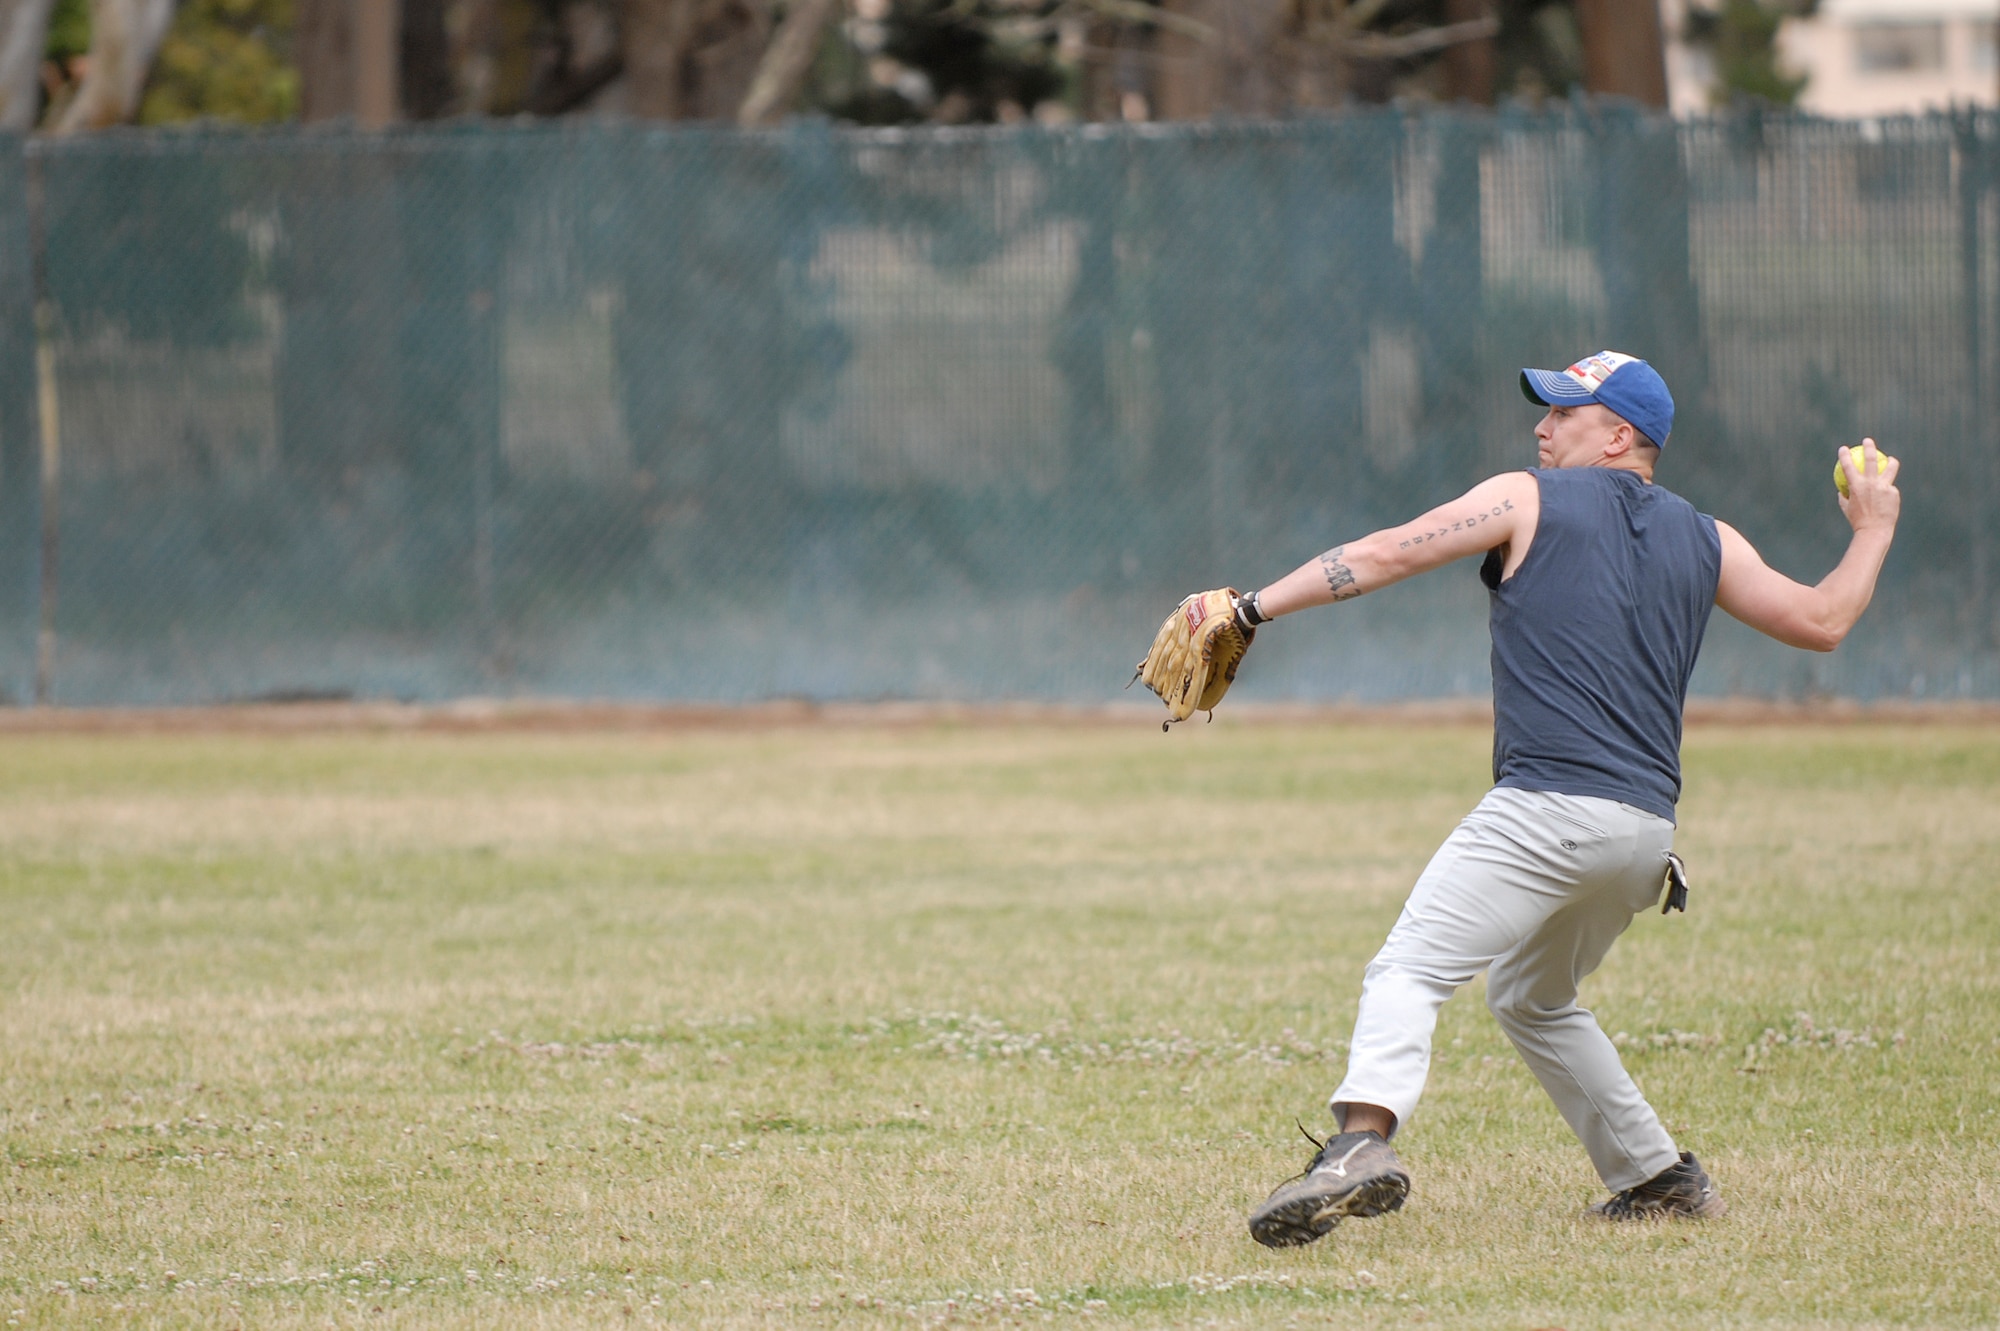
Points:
(680, 413)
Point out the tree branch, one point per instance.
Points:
(1377, 46)
(1138, 11)
(787, 61)
(572, 88)
(125, 35)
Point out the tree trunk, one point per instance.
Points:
(657, 37)
(786, 63)
(728, 48)
(377, 48)
(24, 33)
(1232, 71)
(475, 55)
(348, 58)
(427, 86)
(324, 43)
(1624, 54)
(125, 35)
(692, 59)
(1469, 66)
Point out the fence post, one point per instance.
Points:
(51, 439)
(50, 435)
(484, 385)
(1973, 182)
(20, 441)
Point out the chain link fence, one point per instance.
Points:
(678, 413)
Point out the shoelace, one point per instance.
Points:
(1319, 1154)
(1624, 1203)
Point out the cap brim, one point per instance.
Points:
(1545, 388)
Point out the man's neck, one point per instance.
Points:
(1627, 462)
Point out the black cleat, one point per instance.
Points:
(1354, 1174)
(1681, 1190)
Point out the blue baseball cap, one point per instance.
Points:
(1625, 384)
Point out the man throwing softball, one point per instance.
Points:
(1601, 585)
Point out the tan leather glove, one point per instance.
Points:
(1195, 654)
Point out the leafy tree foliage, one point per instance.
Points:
(908, 61)
(1540, 49)
(225, 60)
(62, 65)
(1743, 35)
(940, 59)
(69, 30)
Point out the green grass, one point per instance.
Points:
(908, 1026)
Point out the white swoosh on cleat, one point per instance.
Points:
(1340, 1166)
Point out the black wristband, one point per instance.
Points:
(1249, 613)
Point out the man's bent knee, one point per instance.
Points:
(1517, 1011)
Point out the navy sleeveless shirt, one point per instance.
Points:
(1594, 638)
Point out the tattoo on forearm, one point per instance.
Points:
(1339, 577)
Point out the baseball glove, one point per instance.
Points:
(1195, 654)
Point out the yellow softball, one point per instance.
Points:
(1860, 458)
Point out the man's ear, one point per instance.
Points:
(1623, 439)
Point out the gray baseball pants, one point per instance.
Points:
(1533, 888)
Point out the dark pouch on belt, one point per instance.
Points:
(1677, 884)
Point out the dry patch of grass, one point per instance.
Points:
(946, 1025)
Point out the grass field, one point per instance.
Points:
(848, 1026)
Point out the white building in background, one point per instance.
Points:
(1884, 57)
(1865, 57)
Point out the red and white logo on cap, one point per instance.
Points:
(1592, 371)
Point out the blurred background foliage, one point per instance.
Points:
(1742, 39)
(225, 60)
(68, 43)
(948, 60)
(887, 62)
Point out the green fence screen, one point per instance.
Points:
(615, 411)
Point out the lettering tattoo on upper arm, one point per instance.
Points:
(1339, 577)
(1460, 524)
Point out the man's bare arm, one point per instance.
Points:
(1492, 513)
(1816, 617)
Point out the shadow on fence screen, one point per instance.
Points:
(615, 411)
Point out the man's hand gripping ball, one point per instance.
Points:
(1859, 460)
(1195, 654)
